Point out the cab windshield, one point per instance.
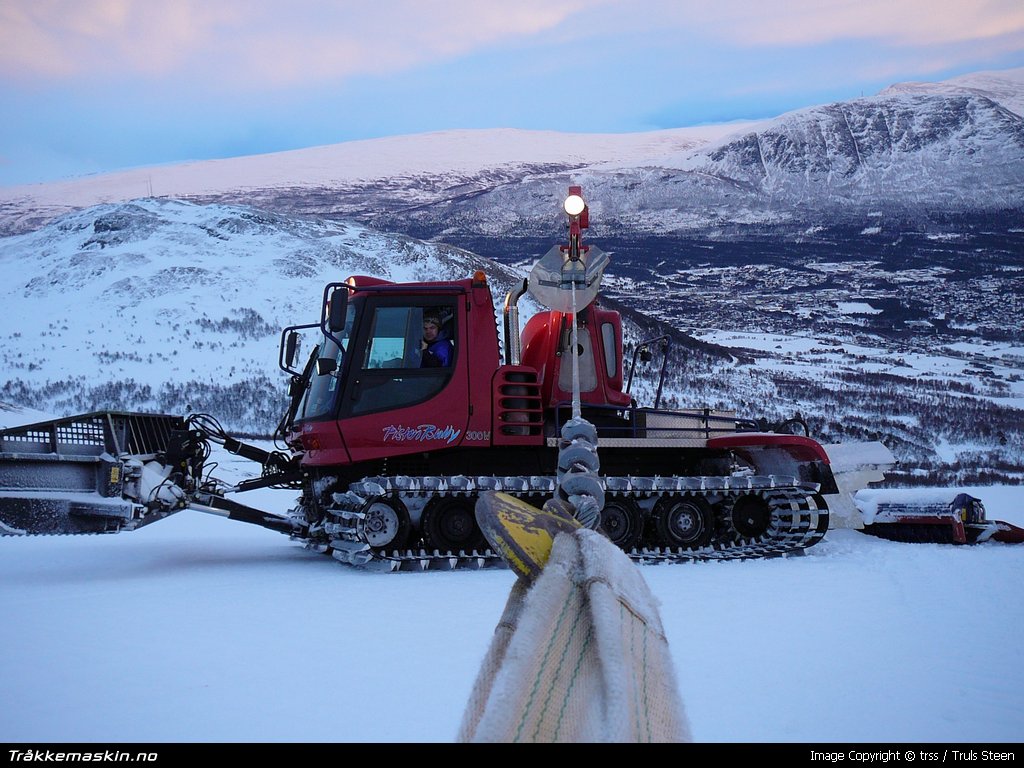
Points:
(323, 388)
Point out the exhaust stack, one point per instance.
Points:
(513, 342)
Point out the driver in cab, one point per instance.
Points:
(437, 350)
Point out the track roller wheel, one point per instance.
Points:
(681, 521)
(751, 516)
(449, 525)
(386, 523)
(623, 523)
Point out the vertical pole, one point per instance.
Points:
(577, 410)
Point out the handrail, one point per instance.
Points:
(645, 347)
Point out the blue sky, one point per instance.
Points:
(90, 86)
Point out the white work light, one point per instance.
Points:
(574, 205)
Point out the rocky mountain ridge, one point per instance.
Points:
(914, 150)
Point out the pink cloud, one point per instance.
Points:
(810, 22)
(267, 40)
(284, 42)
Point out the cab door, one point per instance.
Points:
(393, 404)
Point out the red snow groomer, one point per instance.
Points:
(900, 515)
(394, 428)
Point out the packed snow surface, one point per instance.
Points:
(201, 629)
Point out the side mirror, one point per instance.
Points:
(645, 354)
(325, 365)
(337, 309)
(291, 346)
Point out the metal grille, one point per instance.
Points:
(93, 434)
(149, 434)
(80, 432)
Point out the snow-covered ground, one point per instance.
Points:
(200, 629)
(947, 363)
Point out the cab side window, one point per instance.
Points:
(390, 344)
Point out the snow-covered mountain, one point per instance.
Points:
(170, 306)
(914, 149)
(1003, 87)
(863, 300)
(358, 179)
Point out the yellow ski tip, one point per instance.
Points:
(519, 532)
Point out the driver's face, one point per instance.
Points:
(429, 331)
